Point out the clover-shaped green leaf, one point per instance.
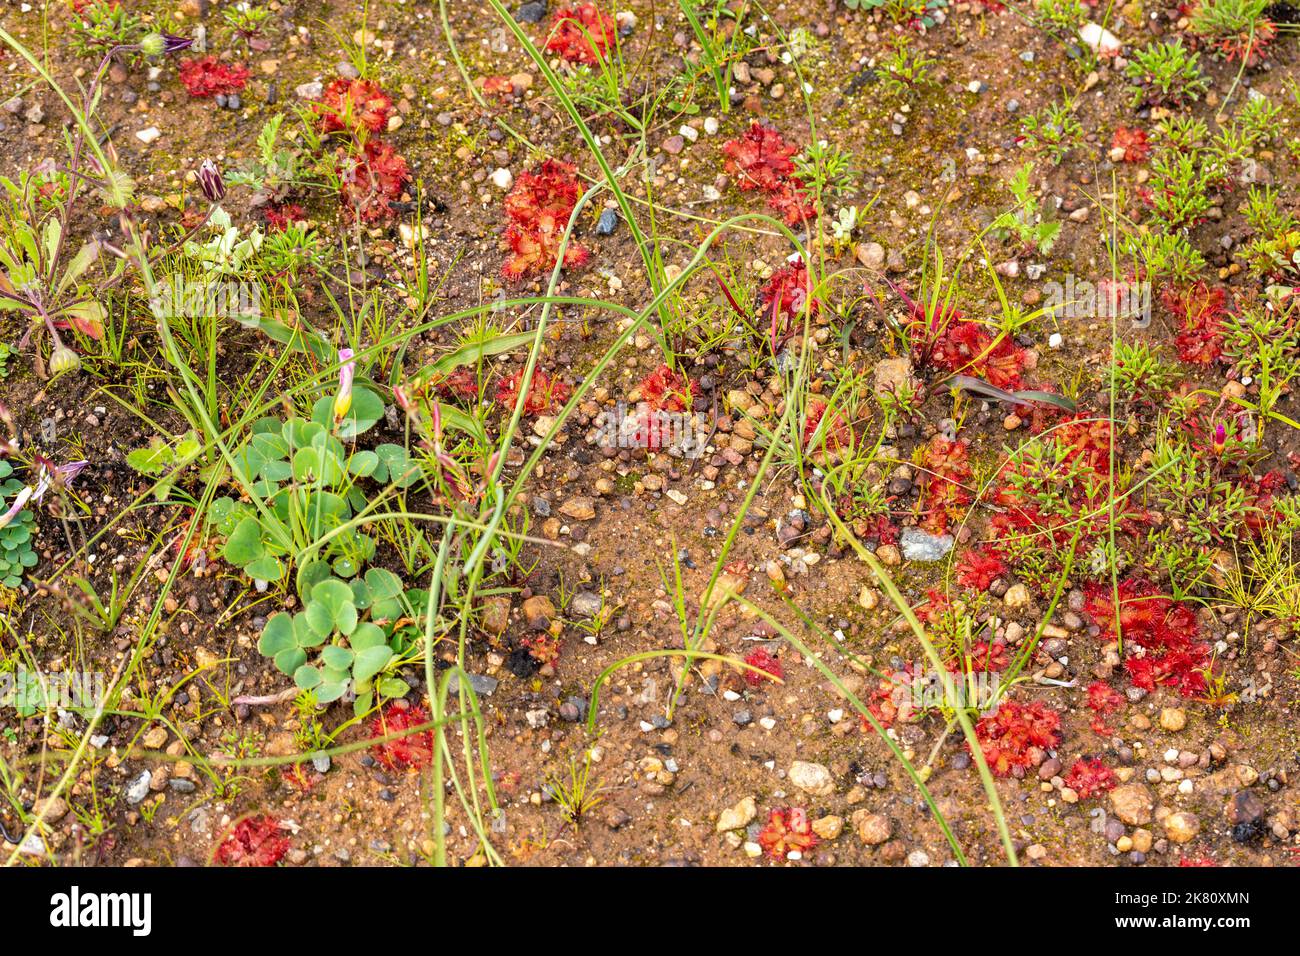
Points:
(367, 408)
(244, 543)
(337, 658)
(288, 661)
(363, 463)
(331, 608)
(277, 635)
(395, 466)
(370, 661)
(383, 584)
(266, 568)
(366, 636)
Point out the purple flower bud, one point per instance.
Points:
(174, 44)
(347, 372)
(210, 181)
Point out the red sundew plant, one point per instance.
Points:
(1089, 778)
(1200, 310)
(970, 348)
(300, 778)
(81, 6)
(792, 203)
(1159, 635)
(988, 657)
(1134, 144)
(544, 393)
(543, 648)
(891, 700)
(941, 337)
(785, 296)
(498, 86)
(461, 383)
(761, 160)
(255, 841)
(1016, 736)
(280, 216)
(1261, 492)
(537, 209)
(979, 568)
(1088, 442)
(836, 435)
(1055, 493)
(667, 390)
(765, 661)
(356, 106)
(209, 76)
(411, 750)
(945, 493)
(1103, 701)
(1248, 47)
(936, 606)
(787, 829)
(581, 34)
(881, 530)
(371, 180)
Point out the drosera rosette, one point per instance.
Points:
(545, 393)
(765, 661)
(785, 299)
(979, 567)
(1237, 30)
(1201, 311)
(762, 160)
(582, 34)
(1129, 145)
(208, 76)
(357, 106)
(788, 834)
(255, 841)
(827, 433)
(1090, 778)
(371, 179)
(538, 209)
(1016, 736)
(410, 748)
(1104, 701)
(1159, 635)
(943, 338)
(946, 491)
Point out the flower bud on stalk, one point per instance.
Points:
(64, 360)
(210, 181)
(343, 400)
(174, 44)
(157, 44)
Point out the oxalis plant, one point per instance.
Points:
(353, 631)
(349, 635)
(307, 483)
